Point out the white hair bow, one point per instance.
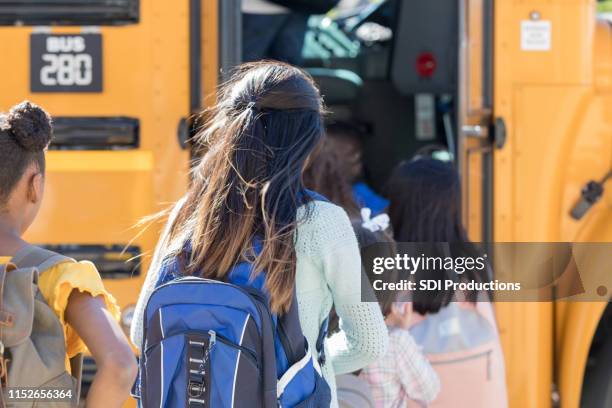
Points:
(378, 223)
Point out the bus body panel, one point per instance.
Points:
(98, 196)
(556, 105)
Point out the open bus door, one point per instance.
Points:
(474, 117)
(524, 327)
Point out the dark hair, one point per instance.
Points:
(349, 130)
(248, 185)
(325, 176)
(25, 133)
(425, 202)
(425, 207)
(346, 140)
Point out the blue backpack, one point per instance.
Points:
(216, 344)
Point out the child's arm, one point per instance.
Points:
(418, 378)
(105, 340)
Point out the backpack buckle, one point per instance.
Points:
(320, 346)
(198, 355)
(321, 358)
(195, 389)
(6, 318)
(3, 366)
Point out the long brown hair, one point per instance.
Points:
(248, 185)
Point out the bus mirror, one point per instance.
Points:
(590, 194)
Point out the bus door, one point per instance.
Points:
(474, 113)
(120, 78)
(524, 327)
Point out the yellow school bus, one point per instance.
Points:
(536, 150)
(520, 91)
(550, 152)
(121, 80)
(553, 89)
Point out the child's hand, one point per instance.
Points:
(401, 315)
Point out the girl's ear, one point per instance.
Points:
(36, 186)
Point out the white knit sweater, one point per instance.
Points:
(328, 272)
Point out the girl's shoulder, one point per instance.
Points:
(323, 225)
(57, 283)
(322, 215)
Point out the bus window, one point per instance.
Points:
(69, 12)
(358, 39)
(95, 133)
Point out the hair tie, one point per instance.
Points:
(378, 223)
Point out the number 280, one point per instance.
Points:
(66, 69)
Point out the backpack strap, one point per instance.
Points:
(309, 195)
(6, 320)
(31, 256)
(321, 340)
(76, 370)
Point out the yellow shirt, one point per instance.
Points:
(57, 283)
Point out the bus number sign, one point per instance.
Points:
(66, 62)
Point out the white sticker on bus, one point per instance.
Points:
(536, 35)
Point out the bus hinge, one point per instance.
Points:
(555, 396)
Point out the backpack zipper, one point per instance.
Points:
(486, 354)
(249, 353)
(214, 337)
(489, 365)
(186, 280)
(261, 301)
(253, 293)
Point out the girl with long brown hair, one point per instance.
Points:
(248, 185)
